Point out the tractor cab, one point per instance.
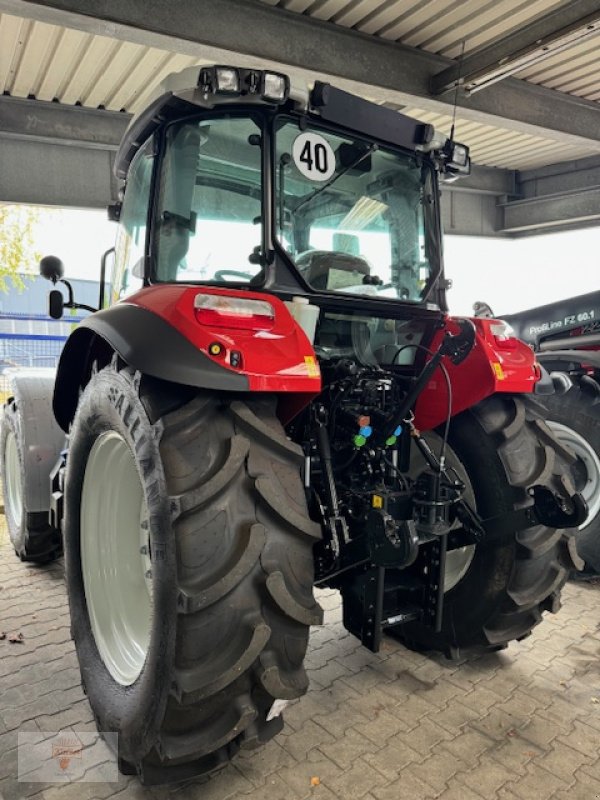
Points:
(247, 183)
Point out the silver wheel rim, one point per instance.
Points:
(12, 479)
(115, 557)
(588, 456)
(457, 561)
(457, 564)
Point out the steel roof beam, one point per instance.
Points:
(47, 174)
(562, 28)
(97, 129)
(36, 120)
(547, 213)
(36, 167)
(552, 198)
(486, 181)
(252, 33)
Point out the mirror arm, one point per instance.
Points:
(83, 306)
(71, 302)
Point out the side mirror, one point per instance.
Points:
(114, 212)
(56, 304)
(52, 268)
(456, 158)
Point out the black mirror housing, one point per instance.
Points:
(52, 268)
(56, 304)
(457, 160)
(114, 212)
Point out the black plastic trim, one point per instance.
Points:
(143, 127)
(364, 117)
(569, 357)
(545, 385)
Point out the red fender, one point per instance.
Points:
(276, 358)
(498, 362)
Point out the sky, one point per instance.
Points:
(78, 237)
(509, 274)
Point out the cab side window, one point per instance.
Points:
(131, 238)
(209, 205)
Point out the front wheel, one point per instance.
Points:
(31, 534)
(500, 588)
(189, 570)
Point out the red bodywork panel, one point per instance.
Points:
(280, 359)
(494, 365)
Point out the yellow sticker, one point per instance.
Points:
(312, 368)
(377, 501)
(498, 370)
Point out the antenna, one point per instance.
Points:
(456, 87)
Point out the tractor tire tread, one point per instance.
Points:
(527, 567)
(251, 487)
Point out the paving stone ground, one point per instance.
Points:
(523, 724)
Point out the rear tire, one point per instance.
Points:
(505, 448)
(230, 548)
(574, 418)
(31, 535)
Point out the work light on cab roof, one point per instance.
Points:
(273, 87)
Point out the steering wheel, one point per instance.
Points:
(220, 274)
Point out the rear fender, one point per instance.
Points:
(495, 364)
(157, 333)
(41, 439)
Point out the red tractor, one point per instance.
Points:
(276, 399)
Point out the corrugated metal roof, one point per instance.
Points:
(575, 71)
(499, 147)
(49, 62)
(439, 26)
(442, 26)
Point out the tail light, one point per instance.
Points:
(504, 336)
(221, 311)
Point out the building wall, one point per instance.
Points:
(33, 300)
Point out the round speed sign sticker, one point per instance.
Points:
(313, 156)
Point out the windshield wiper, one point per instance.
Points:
(332, 180)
